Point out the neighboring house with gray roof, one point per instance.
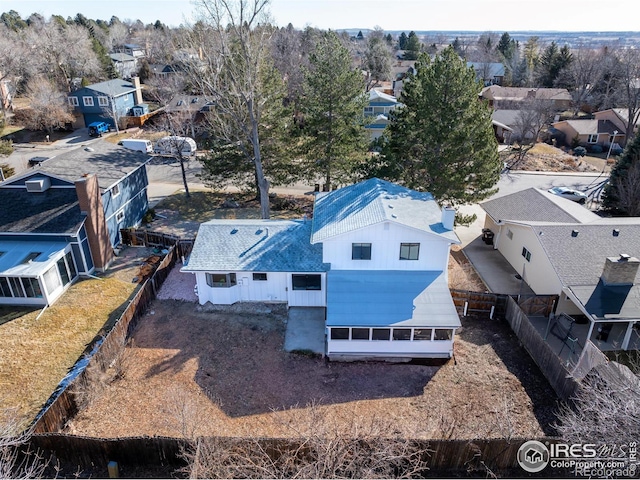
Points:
(377, 111)
(589, 132)
(375, 255)
(126, 65)
(620, 118)
(105, 101)
(489, 73)
(560, 248)
(512, 97)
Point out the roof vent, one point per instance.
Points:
(624, 257)
(38, 184)
(574, 233)
(616, 232)
(234, 231)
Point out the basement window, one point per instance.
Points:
(221, 280)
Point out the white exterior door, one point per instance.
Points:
(244, 289)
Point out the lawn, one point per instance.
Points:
(38, 352)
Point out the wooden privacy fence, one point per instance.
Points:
(494, 305)
(144, 238)
(550, 364)
(443, 455)
(65, 402)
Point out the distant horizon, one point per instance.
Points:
(473, 16)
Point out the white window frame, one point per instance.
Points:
(592, 138)
(115, 190)
(103, 101)
(73, 101)
(119, 216)
(87, 101)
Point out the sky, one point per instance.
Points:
(402, 15)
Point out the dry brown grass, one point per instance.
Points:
(38, 352)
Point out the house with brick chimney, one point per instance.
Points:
(374, 256)
(61, 219)
(559, 247)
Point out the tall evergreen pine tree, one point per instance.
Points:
(442, 140)
(622, 194)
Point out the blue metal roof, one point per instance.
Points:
(374, 201)
(255, 245)
(389, 298)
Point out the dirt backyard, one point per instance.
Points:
(189, 371)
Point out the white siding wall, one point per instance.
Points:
(398, 348)
(538, 272)
(385, 249)
(277, 288)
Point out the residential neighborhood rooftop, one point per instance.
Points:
(375, 201)
(255, 245)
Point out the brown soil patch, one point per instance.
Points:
(546, 158)
(462, 275)
(189, 371)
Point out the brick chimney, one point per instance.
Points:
(620, 270)
(90, 201)
(138, 92)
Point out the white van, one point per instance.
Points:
(138, 144)
(172, 144)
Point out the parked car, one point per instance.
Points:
(570, 194)
(33, 161)
(139, 144)
(173, 144)
(96, 129)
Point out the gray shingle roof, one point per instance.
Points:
(108, 161)
(115, 87)
(374, 201)
(579, 260)
(53, 211)
(535, 205)
(255, 245)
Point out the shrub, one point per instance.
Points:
(149, 216)
(6, 147)
(616, 150)
(595, 149)
(579, 151)
(7, 170)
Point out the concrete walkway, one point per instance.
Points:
(494, 269)
(305, 329)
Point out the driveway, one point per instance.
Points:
(305, 329)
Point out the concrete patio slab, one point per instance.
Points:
(494, 269)
(305, 329)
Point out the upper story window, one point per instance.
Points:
(87, 101)
(409, 251)
(115, 190)
(73, 101)
(103, 101)
(360, 251)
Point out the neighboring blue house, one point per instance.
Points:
(62, 219)
(379, 107)
(105, 101)
(375, 255)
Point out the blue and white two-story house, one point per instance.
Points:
(375, 255)
(105, 101)
(61, 219)
(377, 111)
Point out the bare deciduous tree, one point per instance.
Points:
(606, 409)
(628, 87)
(15, 462)
(48, 107)
(234, 40)
(320, 447)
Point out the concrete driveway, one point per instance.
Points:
(305, 329)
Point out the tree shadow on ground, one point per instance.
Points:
(243, 368)
(498, 335)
